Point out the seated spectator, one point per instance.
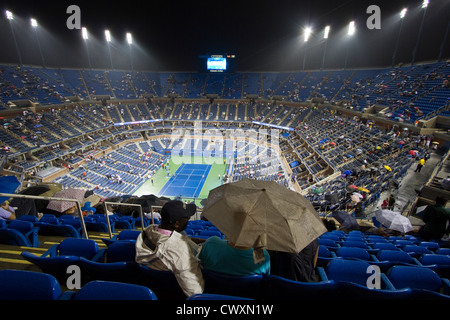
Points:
(7, 212)
(222, 256)
(164, 248)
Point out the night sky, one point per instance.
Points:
(169, 35)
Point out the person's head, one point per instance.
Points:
(175, 217)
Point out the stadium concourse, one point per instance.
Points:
(131, 140)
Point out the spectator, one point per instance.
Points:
(164, 248)
(296, 266)
(7, 212)
(223, 256)
(420, 165)
(436, 218)
(391, 202)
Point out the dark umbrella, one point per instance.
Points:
(346, 220)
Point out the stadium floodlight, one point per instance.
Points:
(9, 15)
(308, 31)
(403, 13)
(424, 6)
(129, 38)
(325, 36)
(326, 32)
(108, 36)
(34, 25)
(351, 28)
(84, 33)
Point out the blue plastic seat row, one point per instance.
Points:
(29, 285)
(19, 233)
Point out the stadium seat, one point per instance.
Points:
(432, 246)
(28, 285)
(394, 257)
(354, 253)
(415, 250)
(209, 296)
(163, 283)
(242, 286)
(441, 262)
(329, 243)
(27, 217)
(13, 237)
(424, 282)
(123, 235)
(279, 288)
(68, 229)
(121, 251)
(352, 278)
(28, 229)
(110, 290)
(59, 257)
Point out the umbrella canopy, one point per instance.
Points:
(263, 214)
(393, 220)
(387, 168)
(346, 220)
(70, 193)
(8, 184)
(363, 189)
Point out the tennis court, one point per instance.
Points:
(187, 181)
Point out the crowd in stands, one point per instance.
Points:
(408, 93)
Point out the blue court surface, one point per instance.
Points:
(187, 181)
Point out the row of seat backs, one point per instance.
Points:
(29, 285)
(19, 233)
(118, 264)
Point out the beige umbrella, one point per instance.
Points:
(263, 214)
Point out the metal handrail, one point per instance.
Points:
(78, 204)
(105, 203)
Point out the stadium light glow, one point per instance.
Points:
(326, 32)
(425, 4)
(351, 28)
(34, 23)
(308, 31)
(129, 38)
(108, 36)
(9, 15)
(403, 13)
(84, 33)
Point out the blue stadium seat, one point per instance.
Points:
(279, 288)
(28, 229)
(209, 296)
(441, 262)
(424, 282)
(351, 278)
(110, 290)
(28, 285)
(13, 237)
(59, 257)
(123, 235)
(242, 286)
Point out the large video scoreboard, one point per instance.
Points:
(217, 63)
